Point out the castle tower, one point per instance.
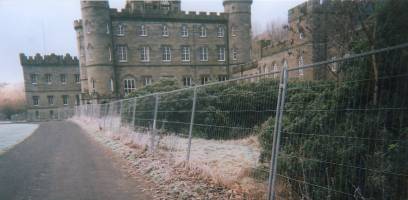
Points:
(98, 50)
(239, 26)
(82, 61)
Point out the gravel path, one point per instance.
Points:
(60, 162)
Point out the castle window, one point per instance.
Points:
(184, 31)
(222, 77)
(185, 54)
(147, 80)
(77, 100)
(233, 31)
(301, 63)
(63, 79)
(203, 31)
(187, 81)
(165, 31)
(48, 79)
(203, 54)
(112, 89)
(36, 100)
(122, 53)
(93, 85)
(121, 30)
(234, 54)
(110, 53)
(34, 79)
(205, 79)
(145, 54)
(77, 79)
(220, 32)
(221, 53)
(65, 100)
(50, 100)
(129, 86)
(166, 54)
(107, 29)
(143, 30)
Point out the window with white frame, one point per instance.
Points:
(48, 79)
(143, 30)
(203, 54)
(165, 31)
(234, 54)
(185, 53)
(77, 79)
(63, 79)
(187, 81)
(166, 54)
(65, 100)
(301, 63)
(50, 100)
(221, 54)
(147, 80)
(222, 77)
(129, 86)
(36, 100)
(121, 30)
(145, 54)
(122, 53)
(203, 31)
(184, 31)
(205, 79)
(220, 31)
(34, 79)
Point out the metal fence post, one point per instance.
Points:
(277, 131)
(134, 113)
(154, 131)
(190, 131)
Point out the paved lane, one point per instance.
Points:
(60, 162)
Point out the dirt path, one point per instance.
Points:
(60, 162)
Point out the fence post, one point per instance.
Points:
(190, 131)
(154, 132)
(134, 114)
(277, 131)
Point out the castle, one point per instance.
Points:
(150, 40)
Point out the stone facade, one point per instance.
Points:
(51, 83)
(149, 40)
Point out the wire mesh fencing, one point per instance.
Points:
(343, 137)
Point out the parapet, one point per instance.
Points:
(52, 59)
(78, 24)
(182, 15)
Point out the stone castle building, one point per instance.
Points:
(51, 83)
(150, 40)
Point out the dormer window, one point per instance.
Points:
(121, 30)
(143, 30)
(184, 31)
(203, 31)
(220, 32)
(165, 31)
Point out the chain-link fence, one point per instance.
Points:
(344, 137)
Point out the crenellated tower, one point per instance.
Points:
(98, 48)
(239, 25)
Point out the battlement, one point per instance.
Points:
(182, 15)
(78, 24)
(52, 59)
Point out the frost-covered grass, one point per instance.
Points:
(12, 134)
(227, 162)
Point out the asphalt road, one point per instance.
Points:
(59, 162)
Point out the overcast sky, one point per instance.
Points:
(46, 26)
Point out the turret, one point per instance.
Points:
(239, 25)
(97, 30)
(82, 59)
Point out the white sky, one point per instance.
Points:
(46, 26)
